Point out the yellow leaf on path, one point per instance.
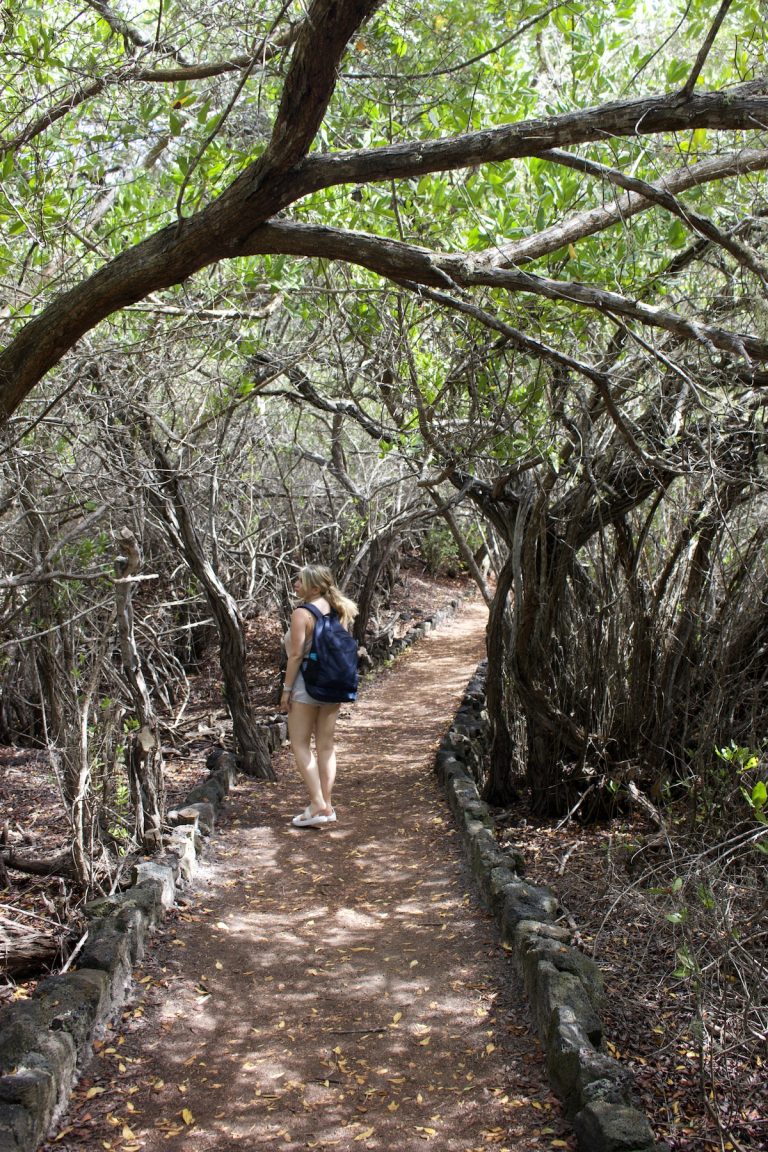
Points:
(413, 964)
(559, 1144)
(127, 1134)
(424, 1042)
(490, 1048)
(366, 1134)
(426, 1133)
(187, 1116)
(95, 1091)
(393, 1106)
(397, 1017)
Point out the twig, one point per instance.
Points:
(566, 857)
(354, 1031)
(32, 915)
(74, 952)
(568, 816)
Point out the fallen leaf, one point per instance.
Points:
(187, 1116)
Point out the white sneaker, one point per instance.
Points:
(308, 819)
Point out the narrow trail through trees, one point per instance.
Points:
(335, 988)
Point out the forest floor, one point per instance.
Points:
(344, 988)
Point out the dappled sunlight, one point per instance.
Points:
(339, 987)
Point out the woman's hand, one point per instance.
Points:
(285, 700)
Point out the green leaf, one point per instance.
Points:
(759, 794)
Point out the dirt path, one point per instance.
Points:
(335, 988)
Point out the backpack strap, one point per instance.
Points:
(319, 620)
(318, 615)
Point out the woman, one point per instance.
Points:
(308, 717)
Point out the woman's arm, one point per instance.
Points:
(300, 631)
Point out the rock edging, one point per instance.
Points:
(564, 986)
(46, 1041)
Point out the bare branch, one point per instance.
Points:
(130, 73)
(705, 49)
(595, 220)
(122, 28)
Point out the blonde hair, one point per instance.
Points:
(317, 579)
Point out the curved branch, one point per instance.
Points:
(595, 220)
(400, 261)
(283, 174)
(452, 69)
(263, 53)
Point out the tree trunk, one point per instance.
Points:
(144, 759)
(170, 501)
(379, 553)
(499, 788)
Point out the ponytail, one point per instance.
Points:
(318, 578)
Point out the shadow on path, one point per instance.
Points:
(337, 987)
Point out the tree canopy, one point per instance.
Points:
(144, 145)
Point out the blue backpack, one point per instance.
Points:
(330, 667)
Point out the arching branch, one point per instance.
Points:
(285, 173)
(400, 261)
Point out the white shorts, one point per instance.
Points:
(299, 695)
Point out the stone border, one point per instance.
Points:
(46, 1041)
(564, 986)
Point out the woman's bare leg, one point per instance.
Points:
(325, 730)
(302, 719)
